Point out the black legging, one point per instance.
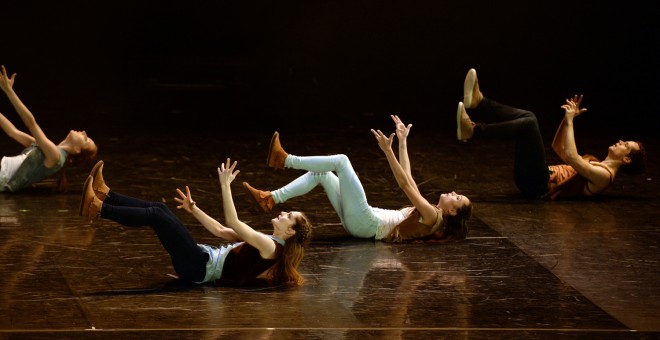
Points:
(188, 259)
(502, 121)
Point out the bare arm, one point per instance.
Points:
(213, 226)
(16, 134)
(559, 142)
(596, 175)
(402, 132)
(405, 182)
(48, 147)
(265, 244)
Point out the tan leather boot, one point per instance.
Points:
(90, 205)
(276, 155)
(100, 188)
(263, 198)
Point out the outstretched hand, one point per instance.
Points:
(6, 82)
(226, 173)
(572, 107)
(384, 142)
(402, 130)
(185, 200)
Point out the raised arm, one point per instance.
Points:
(212, 225)
(16, 134)
(47, 147)
(402, 132)
(265, 244)
(405, 182)
(568, 149)
(559, 143)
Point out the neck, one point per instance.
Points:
(280, 235)
(66, 146)
(612, 164)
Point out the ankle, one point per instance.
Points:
(95, 208)
(102, 192)
(477, 98)
(468, 129)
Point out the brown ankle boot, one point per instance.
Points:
(90, 205)
(276, 155)
(100, 189)
(263, 198)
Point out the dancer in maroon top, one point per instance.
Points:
(250, 254)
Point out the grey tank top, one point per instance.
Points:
(33, 170)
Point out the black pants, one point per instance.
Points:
(188, 259)
(502, 121)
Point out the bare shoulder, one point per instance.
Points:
(600, 176)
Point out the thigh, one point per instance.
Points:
(188, 258)
(330, 183)
(118, 199)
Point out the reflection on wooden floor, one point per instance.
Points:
(529, 269)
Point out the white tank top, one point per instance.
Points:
(8, 167)
(388, 219)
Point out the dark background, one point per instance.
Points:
(228, 66)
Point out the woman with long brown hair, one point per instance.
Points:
(420, 220)
(40, 157)
(250, 253)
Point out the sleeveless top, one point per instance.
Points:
(388, 219)
(236, 263)
(412, 228)
(32, 169)
(565, 182)
(8, 167)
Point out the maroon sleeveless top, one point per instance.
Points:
(244, 263)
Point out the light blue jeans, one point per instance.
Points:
(344, 190)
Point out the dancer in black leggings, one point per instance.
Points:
(580, 176)
(251, 253)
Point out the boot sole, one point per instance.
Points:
(95, 169)
(88, 182)
(468, 87)
(270, 147)
(459, 115)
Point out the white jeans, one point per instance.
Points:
(344, 190)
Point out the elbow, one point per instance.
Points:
(571, 153)
(558, 148)
(572, 158)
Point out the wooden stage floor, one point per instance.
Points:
(529, 268)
